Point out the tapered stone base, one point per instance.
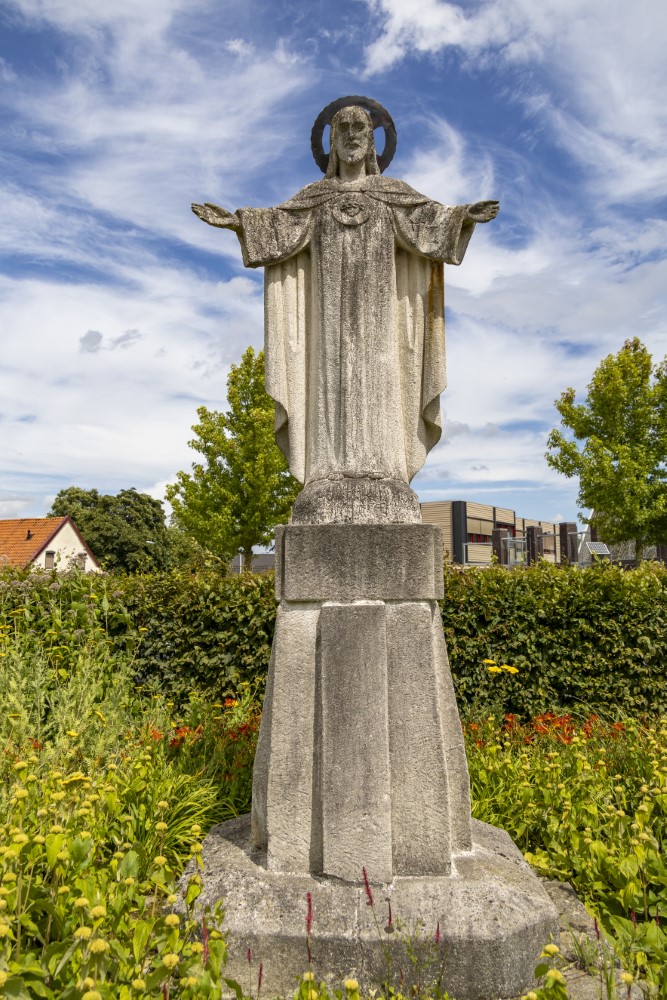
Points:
(361, 764)
(492, 913)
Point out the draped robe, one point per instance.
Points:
(354, 313)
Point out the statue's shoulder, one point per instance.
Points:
(311, 195)
(394, 191)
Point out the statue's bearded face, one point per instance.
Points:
(352, 134)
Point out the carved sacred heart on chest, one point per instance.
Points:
(352, 209)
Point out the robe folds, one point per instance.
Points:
(354, 312)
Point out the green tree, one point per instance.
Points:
(125, 532)
(233, 500)
(621, 462)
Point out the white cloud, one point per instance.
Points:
(598, 74)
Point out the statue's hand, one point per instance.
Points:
(483, 211)
(216, 216)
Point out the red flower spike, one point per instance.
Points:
(367, 886)
(309, 912)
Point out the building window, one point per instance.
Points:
(49, 560)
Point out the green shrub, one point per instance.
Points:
(576, 637)
(587, 803)
(594, 637)
(200, 632)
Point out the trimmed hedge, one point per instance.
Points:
(596, 637)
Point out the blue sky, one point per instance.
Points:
(120, 312)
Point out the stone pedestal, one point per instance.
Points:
(360, 760)
(361, 764)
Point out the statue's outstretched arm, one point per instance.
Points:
(483, 211)
(216, 216)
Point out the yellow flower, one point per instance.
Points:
(138, 984)
(530, 996)
(191, 981)
(21, 793)
(312, 994)
(173, 920)
(195, 829)
(81, 902)
(98, 911)
(57, 796)
(4, 929)
(128, 881)
(88, 983)
(160, 860)
(83, 933)
(627, 978)
(351, 985)
(91, 995)
(489, 661)
(161, 827)
(73, 733)
(63, 890)
(172, 897)
(308, 977)
(196, 947)
(163, 804)
(494, 670)
(3, 978)
(20, 765)
(21, 838)
(99, 946)
(550, 950)
(555, 975)
(508, 669)
(170, 961)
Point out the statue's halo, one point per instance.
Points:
(379, 116)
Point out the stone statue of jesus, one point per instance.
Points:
(354, 308)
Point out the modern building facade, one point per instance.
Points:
(468, 533)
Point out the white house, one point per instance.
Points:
(45, 543)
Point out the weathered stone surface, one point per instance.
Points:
(356, 501)
(282, 787)
(359, 562)
(360, 758)
(493, 914)
(421, 797)
(355, 775)
(354, 312)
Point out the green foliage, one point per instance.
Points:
(621, 464)
(104, 797)
(587, 803)
(200, 632)
(88, 868)
(577, 637)
(559, 628)
(233, 501)
(125, 532)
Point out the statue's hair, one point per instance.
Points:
(371, 159)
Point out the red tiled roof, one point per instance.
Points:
(23, 538)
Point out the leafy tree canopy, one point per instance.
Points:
(242, 489)
(622, 425)
(126, 532)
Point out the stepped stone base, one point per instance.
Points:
(361, 764)
(493, 914)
